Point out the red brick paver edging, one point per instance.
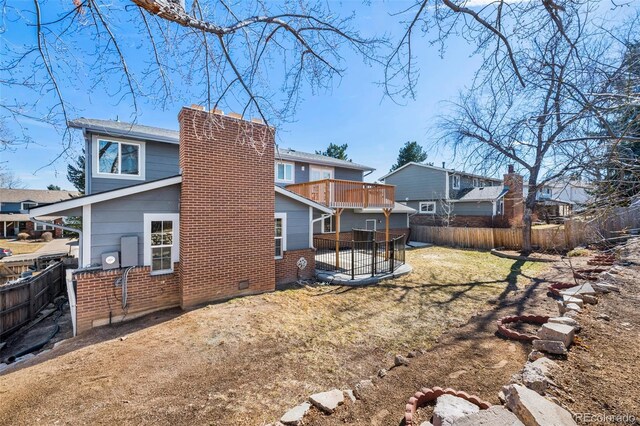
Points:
(556, 286)
(514, 335)
(420, 399)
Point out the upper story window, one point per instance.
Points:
(476, 183)
(285, 172)
(320, 173)
(118, 159)
(456, 182)
(26, 205)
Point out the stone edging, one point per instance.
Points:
(587, 273)
(514, 335)
(525, 258)
(556, 286)
(420, 398)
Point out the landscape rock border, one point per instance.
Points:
(425, 395)
(504, 331)
(588, 273)
(556, 286)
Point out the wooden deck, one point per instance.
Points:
(336, 193)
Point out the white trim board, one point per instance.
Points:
(175, 246)
(95, 169)
(283, 217)
(103, 196)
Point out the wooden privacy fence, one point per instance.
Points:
(573, 233)
(21, 302)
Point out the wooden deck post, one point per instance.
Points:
(337, 223)
(387, 213)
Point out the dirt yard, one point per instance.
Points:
(21, 247)
(249, 360)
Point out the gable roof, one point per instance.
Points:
(40, 196)
(429, 166)
(103, 196)
(487, 193)
(307, 157)
(127, 130)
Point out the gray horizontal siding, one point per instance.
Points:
(350, 220)
(473, 208)
(161, 161)
(124, 216)
(297, 221)
(347, 174)
(418, 183)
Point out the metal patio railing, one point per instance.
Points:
(364, 254)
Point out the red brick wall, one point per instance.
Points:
(513, 199)
(227, 191)
(287, 270)
(98, 297)
(30, 228)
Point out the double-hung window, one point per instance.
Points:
(456, 182)
(118, 159)
(26, 205)
(427, 207)
(161, 234)
(42, 227)
(320, 173)
(284, 172)
(280, 234)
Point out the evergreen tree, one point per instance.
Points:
(336, 151)
(410, 152)
(53, 187)
(75, 173)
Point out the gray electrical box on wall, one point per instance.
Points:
(129, 251)
(110, 260)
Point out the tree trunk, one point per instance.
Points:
(529, 205)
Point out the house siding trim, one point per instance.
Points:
(142, 166)
(85, 241)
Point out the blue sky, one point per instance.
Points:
(354, 111)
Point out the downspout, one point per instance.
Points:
(323, 217)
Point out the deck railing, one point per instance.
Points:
(337, 193)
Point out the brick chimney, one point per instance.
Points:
(514, 198)
(226, 206)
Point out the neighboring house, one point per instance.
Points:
(203, 214)
(14, 201)
(449, 197)
(561, 198)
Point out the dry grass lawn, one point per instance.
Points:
(21, 247)
(249, 360)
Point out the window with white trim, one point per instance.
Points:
(161, 233)
(500, 207)
(370, 224)
(42, 227)
(476, 182)
(320, 173)
(280, 234)
(26, 205)
(327, 225)
(118, 158)
(427, 207)
(456, 182)
(284, 172)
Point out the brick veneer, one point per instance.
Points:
(227, 190)
(98, 301)
(287, 269)
(513, 199)
(30, 228)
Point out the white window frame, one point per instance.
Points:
(421, 203)
(95, 166)
(455, 178)
(41, 227)
(375, 224)
(32, 203)
(175, 245)
(321, 169)
(476, 183)
(283, 238)
(293, 171)
(331, 229)
(500, 207)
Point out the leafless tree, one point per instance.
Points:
(550, 119)
(447, 215)
(251, 57)
(9, 180)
